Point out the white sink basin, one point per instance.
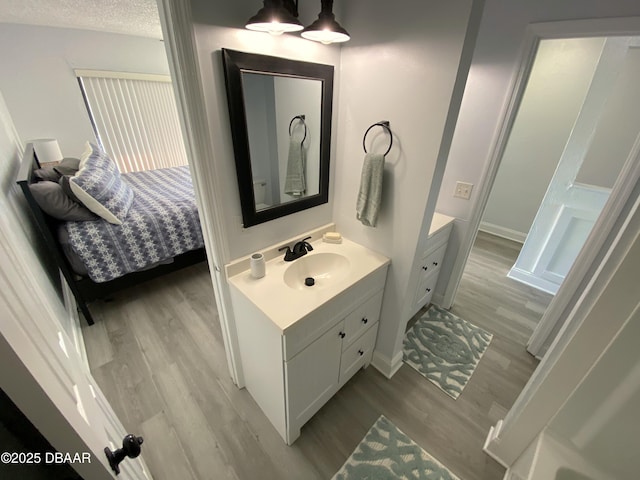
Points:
(323, 267)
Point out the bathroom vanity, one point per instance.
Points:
(429, 263)
(300, 344)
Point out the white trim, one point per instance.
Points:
(387, 367)
(179, 40)
(150, 77)
(503, 232)
(493, 434)
(532, 280)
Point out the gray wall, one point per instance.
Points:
(40, 88)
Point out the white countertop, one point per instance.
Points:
(439, 221)
(285, 305)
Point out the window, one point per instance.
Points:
(135, 118)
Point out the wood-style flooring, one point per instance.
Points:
(157, 353)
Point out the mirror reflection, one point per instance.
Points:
(280, 112)
(283, 125)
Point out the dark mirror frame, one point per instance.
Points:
(234, 63)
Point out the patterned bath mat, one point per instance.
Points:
(445, 349)
(385, 453)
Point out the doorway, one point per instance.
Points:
(568, 135)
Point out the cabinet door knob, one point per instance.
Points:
(425, 268)
(361, 352)
(342, 334)
(365, 320)
(428, 289)
(435, 264)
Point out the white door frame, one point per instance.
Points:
(599, 240)
(179, 40)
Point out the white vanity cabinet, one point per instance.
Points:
(300, 346)
(430, 262)
(317, 372)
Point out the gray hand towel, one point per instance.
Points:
(294, 183)
(370, 193)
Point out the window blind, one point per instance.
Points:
(135, 119)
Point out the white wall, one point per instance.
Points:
(210, 39)
(617, 129)
(401, 66)
(556, 90)
(495, 62)
(40, 88)
(21, 228)
(601, 419)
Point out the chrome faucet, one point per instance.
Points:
(299, 249)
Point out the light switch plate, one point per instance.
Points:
(463, 190)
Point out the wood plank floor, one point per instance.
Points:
(157, 353)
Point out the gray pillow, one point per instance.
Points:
(47, 173)
(68, 166)
(52, 200)
(66, 188)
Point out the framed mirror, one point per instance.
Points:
(280, 112)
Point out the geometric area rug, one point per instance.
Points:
(385, 453)
(445, 349)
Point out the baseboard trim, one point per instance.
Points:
(438, 300)
(503, 232)
(387, 367)
(491, 436)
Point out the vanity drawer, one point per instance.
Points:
(358, 354)
(432, 261)
(426, 287)
(361, 319)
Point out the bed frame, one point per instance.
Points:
(83, 288)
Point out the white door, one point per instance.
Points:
(601, 140)
(45, 376)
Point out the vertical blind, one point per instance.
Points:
(135, 118)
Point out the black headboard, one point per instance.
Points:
(46, 225)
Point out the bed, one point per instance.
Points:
(150, 230)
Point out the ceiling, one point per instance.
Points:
(132, 17)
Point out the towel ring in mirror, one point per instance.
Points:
(301, 118)
(384, 124)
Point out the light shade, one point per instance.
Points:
(325, 29)
(275, 18)
(47, 150)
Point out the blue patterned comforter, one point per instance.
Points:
(162, 222)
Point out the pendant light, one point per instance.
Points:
(276, 17)
(325, 29)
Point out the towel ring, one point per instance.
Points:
(301, 118)
(384, 124)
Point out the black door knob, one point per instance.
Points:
(361, 352)
(342, 334)
(365, 320)
(130, 448)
